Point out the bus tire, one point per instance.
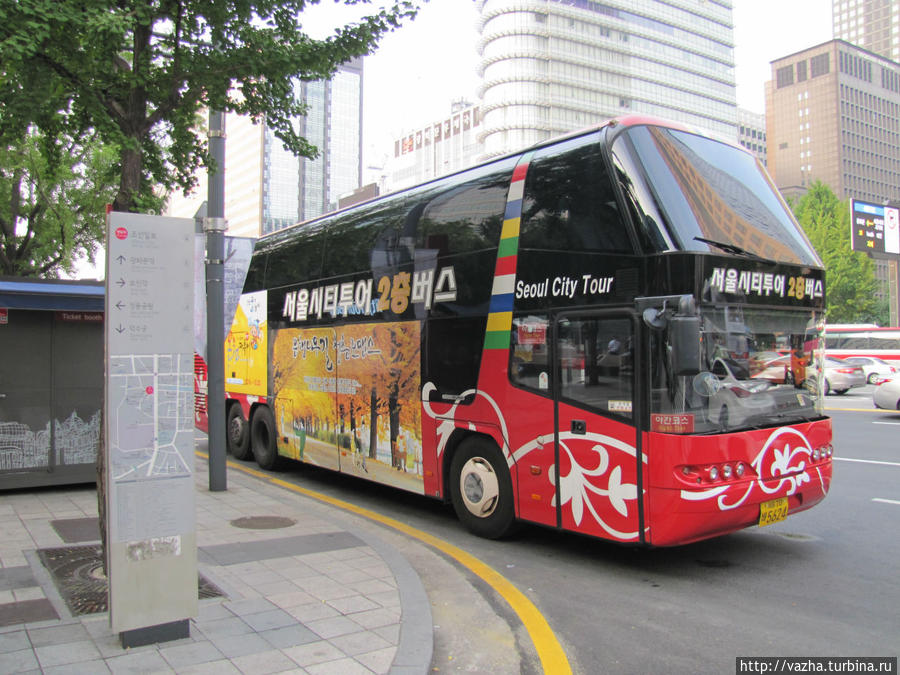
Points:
(481, 489)
(264, 440)
(237, 432)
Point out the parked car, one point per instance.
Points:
(887, 395)
(840, 376)
(875, 369)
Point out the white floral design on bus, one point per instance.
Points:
(785, 455)
(580, 488)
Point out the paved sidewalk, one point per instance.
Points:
(315, 596)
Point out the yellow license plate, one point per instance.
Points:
(773, 511)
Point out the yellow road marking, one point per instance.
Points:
(553, 658)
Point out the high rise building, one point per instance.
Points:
(266, 186)
(871, 24)
(436, 149)
(752, 133)
(833, 114)
(551, 66)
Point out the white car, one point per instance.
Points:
(734, 398)
(887, 395)
(875, 369)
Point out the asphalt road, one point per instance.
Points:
(824, 582)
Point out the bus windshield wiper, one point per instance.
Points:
(733, 249)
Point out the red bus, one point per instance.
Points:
(849, 340)
(562, 336)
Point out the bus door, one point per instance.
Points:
(598, 476)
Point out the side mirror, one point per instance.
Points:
(684, 336)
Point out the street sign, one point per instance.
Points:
(150, 425)
(875, 228)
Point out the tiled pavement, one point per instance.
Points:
(314, 597)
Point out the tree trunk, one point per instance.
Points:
(130, 183)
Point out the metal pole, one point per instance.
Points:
(214, 225)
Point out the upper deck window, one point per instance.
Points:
(707, 190)
(569, 202)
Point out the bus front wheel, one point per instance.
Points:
(238, 433)
(263, 439)
(481, 489)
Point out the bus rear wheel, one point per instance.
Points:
(481, 489)
(237, 432)
(264, 440)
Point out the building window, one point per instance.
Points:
(784, 76)
(801, 71)
(819, 65)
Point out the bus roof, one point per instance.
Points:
(624, 121)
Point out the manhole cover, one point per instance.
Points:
(78, 574)
(263, 522)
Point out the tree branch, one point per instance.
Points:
(113, 107)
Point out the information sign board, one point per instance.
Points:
(150, 421)
(875, 227)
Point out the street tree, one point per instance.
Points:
(137, 73)
(53, 193)
(850, 275)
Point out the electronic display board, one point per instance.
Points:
(875, 228)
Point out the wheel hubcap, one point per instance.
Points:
(237, 430)
(479, 487)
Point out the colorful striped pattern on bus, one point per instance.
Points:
(499, 321)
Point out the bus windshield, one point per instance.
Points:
(710, 196)
(759, 367)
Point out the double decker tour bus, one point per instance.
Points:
(568, 336)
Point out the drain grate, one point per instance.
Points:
(77, 572)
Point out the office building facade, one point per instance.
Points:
(833, 114)
(436, 149)
(552, 66)
(752, 133)
(871, 24)
(267, 187)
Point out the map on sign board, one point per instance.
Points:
(154, 420)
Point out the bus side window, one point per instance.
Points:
(648, 222)
(529, 354)
(569, 202)
(453, 349)
(468, 217)
(294, 257)
(256, 274)
(595, 364)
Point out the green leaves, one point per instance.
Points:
(53, 196)
(136, 73)
(850, 275)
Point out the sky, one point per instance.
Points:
(418, 70)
